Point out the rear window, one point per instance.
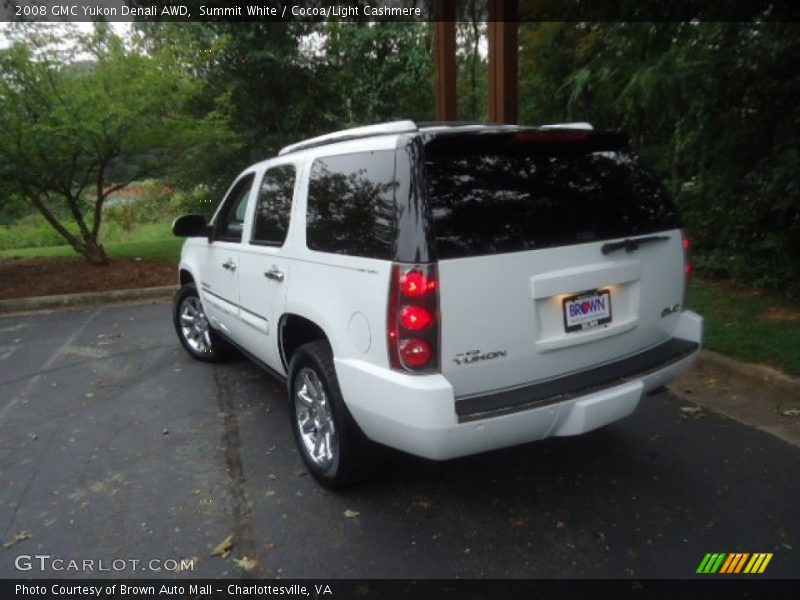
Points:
(495, 193)
(351, 204)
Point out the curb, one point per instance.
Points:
(752, 373)
(37, 303)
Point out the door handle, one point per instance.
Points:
(274, 274)
(230, 265)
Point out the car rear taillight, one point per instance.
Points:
(413, 318)
(687, 262)
(416, 283)
(415, 353)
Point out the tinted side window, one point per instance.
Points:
(271, 222)
(498, 194)
(231, 219)
(351, 204)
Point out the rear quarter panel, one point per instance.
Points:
(346, 296)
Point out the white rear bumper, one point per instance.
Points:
(416, 414)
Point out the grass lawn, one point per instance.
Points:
(748, 324)
(165, 250)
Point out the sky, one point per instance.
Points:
(83, 27)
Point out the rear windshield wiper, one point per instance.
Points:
(630, 245)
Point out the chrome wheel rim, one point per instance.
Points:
(194, 325)
(315, 419)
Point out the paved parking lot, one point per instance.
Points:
(114, 444)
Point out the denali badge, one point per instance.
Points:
(472, 356)
(670, 310)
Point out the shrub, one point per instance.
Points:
(197, 200)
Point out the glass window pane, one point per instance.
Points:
(234, 210)
(351, 204)
(271, 222)
(498, 194)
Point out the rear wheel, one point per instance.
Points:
(333, 447)
(193, 329)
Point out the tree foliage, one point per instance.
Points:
(378, 71)
(472, 82)
(713, 106)
(276, 83)
(81, 120)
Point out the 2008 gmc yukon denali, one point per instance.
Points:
(443, 289)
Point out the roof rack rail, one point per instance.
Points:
(352, 134)
(575, 125)
(425, 124)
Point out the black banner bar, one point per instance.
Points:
(392, 10)
(339, 589)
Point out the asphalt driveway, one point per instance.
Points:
(115, 445)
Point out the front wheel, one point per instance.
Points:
(193, 328)
(334, 449)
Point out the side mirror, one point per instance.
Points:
(190, 226)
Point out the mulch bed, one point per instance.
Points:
(23, 277)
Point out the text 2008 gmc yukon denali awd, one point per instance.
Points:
(443, 289)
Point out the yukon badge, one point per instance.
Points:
(472, 356)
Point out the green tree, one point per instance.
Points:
(82, 117)
(712, 104)
(277, 83)
(377, 72)
(473, 68)
(259, 79)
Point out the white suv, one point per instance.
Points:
(443, 289)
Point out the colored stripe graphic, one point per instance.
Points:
(761, 563)
(716, 565)
(741, 562)
(730, 563)
(703, 563)
(711, 562)
(755, 562)
(737, 563)
(725, 563)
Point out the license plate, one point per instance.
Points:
(587, 310)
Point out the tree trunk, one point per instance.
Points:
(93, 252)
(88, 247)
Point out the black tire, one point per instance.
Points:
(355, 457)
(212, 349)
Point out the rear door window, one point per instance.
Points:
(496, 193)
(351, 204)
(271, 221)
(231, 218)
